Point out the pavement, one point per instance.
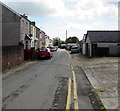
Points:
(102, 73)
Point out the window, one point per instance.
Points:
(43, 50)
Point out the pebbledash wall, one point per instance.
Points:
(12, 50)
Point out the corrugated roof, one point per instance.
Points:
(104, 36)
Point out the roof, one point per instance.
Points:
(104, 36)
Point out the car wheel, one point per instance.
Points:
(49, 57)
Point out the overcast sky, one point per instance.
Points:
(75, 16)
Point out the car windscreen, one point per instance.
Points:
(74, 48)
(43, 50)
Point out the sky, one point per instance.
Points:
(76, 16)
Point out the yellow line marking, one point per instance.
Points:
(75, 92)
(69, 95)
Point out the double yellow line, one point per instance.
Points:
(75, 92)
(68, 105)
(69, 95)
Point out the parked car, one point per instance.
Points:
(53, 49)
(44, 53)
(74, 49)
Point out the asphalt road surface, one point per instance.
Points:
(49, 84)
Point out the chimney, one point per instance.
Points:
(33, 23)
(25, 16)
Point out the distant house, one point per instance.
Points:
(101, 43)
(48, 42)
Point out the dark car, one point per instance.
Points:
(44, 53)
(74, 49)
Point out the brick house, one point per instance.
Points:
(12, 51)
(101, 43)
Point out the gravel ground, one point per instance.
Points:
(103, 75)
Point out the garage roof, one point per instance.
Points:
(104, 36)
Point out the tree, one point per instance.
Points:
(73, 39)
(56, 41)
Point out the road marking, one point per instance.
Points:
(69, 95)
(75, 92)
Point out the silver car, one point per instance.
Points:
(74, 49)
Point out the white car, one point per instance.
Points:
(52, 49)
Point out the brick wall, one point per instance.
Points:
(11, 56)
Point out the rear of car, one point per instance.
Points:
(44, 53)
(74, 49)
(53, 49)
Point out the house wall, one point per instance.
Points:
(11, 56)
(42, 39)
(12, 53)
(35, 37)
(38, 37)
(84, 48)
(10, 27)
(51, 43)
(25, 30)
(33, 32)
(89, 48)
(47, 42)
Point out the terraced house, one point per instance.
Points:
(20, 38)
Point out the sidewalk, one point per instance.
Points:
(14, 69)
(103, 75)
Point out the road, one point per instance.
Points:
(49, 84)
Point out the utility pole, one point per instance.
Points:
(66, 39)
(66, 35)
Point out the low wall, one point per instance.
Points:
(12, 56)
